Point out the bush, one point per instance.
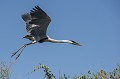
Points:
(4, 71)
(102, 74)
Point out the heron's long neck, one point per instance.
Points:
(58, 41)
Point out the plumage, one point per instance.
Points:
(37, 22)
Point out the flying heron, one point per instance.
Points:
(37, 22)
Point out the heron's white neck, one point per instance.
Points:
(58, 41)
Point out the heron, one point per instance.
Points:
(37, 22)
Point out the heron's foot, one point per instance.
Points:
(20, 51)
(17, 56)
(13, 54)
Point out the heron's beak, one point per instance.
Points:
(75, 43)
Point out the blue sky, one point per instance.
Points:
(93, 23)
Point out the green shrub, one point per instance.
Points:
(102, 74)
(4, 71)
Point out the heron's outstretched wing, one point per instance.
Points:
(37, 22)
(39, 17)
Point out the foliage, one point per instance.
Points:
(102, 74)
(4, 71)
(48, 73)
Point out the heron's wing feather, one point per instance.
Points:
(39, 17)
(39, 14)
(37, 32)
(26, 17)
(37, 22)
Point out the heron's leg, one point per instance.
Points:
(22, 48)
(20, 52)
(17, 51)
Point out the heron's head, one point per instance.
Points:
(74, 43)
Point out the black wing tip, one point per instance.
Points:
(37, 6)
(38, 12)
(35, 9)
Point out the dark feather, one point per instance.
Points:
(26, 17)
(37, 22)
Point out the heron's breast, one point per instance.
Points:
(42, 40)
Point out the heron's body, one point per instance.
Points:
(37, 22)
